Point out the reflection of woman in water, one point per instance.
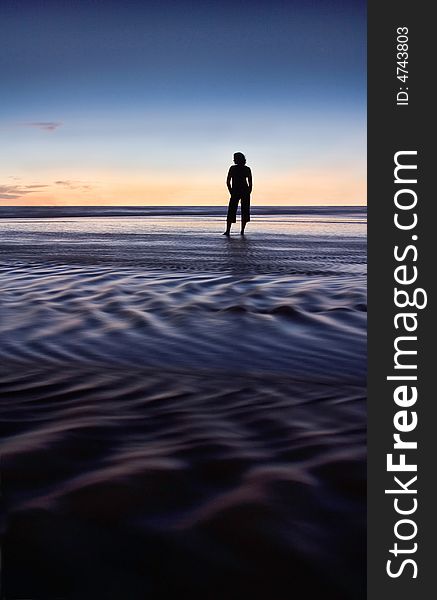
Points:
(239, 182)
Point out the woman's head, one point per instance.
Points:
(239, 158)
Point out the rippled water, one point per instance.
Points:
(182, 412)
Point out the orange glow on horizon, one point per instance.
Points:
(301, 187)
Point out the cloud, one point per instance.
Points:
(44, 125)
(11, 192)
(72, 184)
(18, 190)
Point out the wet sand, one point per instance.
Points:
(182, 414)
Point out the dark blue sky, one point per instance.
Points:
(150, 85)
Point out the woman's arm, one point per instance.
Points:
(249, 178)
(228, 180)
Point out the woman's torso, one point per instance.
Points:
(239, 174)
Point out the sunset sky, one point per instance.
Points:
(130, 102)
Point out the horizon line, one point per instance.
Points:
(179, 205)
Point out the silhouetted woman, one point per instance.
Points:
(239, 182)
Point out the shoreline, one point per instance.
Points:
(191, 211)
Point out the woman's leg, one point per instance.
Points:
(232, 214)
(245, 212)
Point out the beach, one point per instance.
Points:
(182, 412)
